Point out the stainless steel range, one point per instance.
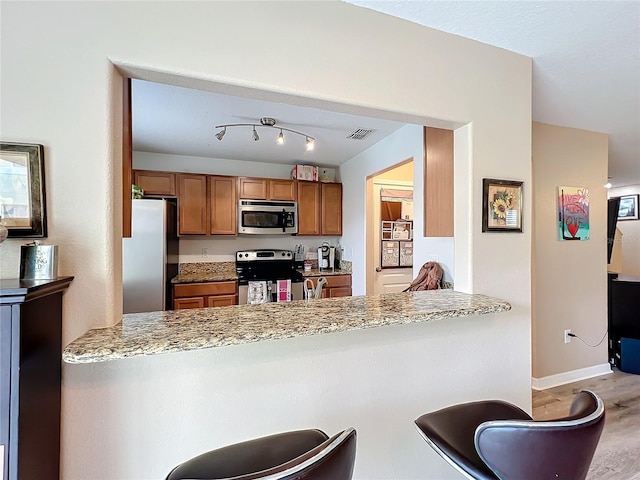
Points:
(257, 266)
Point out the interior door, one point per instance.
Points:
(386, 280)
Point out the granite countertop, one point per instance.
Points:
(197, 277)
(314, 272)
(182, 330)
(206, 272)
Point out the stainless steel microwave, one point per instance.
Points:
(263, 217)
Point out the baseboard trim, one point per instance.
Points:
(568, 377)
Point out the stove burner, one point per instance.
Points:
(267, 265)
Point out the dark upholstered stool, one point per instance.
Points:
(308, 454)
(496, 440)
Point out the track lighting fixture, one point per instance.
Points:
(267, 122)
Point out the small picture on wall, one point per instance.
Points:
(573, 213)
(628, 209)
(501, 205)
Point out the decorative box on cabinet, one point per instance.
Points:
(206, 294)
(30, 375)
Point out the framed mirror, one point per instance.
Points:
(22, 192)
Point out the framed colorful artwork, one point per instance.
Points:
(573, 213)
(501, 205)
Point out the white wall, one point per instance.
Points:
(397, 147)
(570, 277)
(211, 166)
(60, 87)
(194, 249)
(630, 243)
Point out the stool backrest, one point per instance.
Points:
(562, 448)
(333, 459)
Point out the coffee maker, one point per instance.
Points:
(326, 256)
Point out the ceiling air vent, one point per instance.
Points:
(360, 134)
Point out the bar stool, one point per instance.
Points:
(491, 440)
(308, 454)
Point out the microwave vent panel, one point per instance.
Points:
(360, 134)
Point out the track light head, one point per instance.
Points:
(280, 138)
(221, 133)
(255, 135)
(310, 143)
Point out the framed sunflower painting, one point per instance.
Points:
(501, 205)
(573, 213)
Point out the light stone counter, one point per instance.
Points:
(181, 330)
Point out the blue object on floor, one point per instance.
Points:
(630, 355)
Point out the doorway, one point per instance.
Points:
(389, 229)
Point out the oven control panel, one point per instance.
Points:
(263, 255)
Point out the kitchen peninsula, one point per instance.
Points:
(174, 331)
(161, 387)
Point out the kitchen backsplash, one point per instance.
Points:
(206, 267)
(223, 249)
(219, 267)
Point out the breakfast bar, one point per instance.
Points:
(182, 330)
(162, 387)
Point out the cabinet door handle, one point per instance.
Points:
(378, 269)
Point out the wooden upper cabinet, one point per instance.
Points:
(266, 189)
(223, 206)
(192, 204)
(155, 182)
(281, 189)
(438, 182)
(331, 209)
(252, 188)
(309, 208)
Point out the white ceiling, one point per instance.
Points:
(181, 121)
(586, 60)
(586, 74)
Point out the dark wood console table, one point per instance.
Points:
(30, 372)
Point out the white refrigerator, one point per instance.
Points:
(150, 256)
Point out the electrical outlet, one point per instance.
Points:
(567, 338)
(204, 253)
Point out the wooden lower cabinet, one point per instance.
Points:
(336, 286)
(207, 294)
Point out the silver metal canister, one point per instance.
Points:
(38, 262)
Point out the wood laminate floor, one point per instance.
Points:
(618, 453)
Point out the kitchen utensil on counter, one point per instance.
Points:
(312, 292)
(323, 256)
